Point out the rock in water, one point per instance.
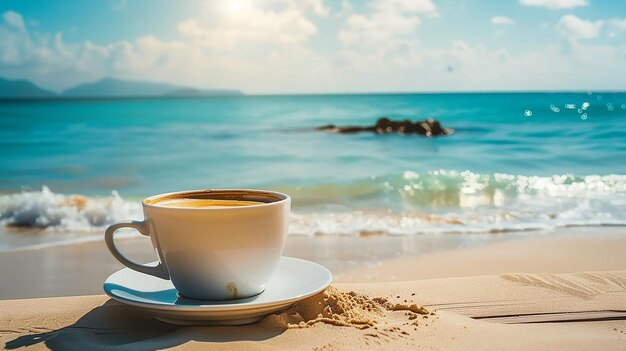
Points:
(428, 127)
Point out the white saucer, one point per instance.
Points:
(294, 279)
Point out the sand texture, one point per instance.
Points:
(579, 311)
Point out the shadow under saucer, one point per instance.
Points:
(114, 325)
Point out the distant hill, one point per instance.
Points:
(203, 92)
(109, 87)
(22, 89)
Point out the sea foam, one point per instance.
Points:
(59, 212)
(404, 204)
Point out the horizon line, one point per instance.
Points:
(245, 95)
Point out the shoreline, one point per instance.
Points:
(80, 269)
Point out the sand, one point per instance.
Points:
(563, 292)
(487, 312)
(344, 309)
(597, 251)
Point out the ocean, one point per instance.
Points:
(517, 161)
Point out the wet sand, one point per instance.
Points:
(81, 269)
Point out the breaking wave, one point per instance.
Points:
(453, 189)
(59, 212)
(403, 204)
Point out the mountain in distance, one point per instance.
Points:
(106, 88)
(203, 92)
(110, 87)
(22, 89)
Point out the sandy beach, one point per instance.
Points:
(564, 291)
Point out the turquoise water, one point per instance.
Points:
(504, 156)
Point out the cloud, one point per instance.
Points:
(383, 36)
(555, 4)
(14, 19)
(403, 6)
(316, 6)
(346, 6)
(245, 24)
(574, 28)
(387, 23)
(378, 29)
(498, 20)
(618, 24)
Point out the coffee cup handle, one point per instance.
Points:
(158, 271)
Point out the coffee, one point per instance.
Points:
(203, 203)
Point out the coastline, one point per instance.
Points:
(80, 269)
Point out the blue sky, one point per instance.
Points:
(289, 46)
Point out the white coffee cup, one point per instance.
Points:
(213, 253)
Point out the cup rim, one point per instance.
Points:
(282, 199)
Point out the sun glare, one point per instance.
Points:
(235, 8)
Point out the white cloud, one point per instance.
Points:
(14, 19)
(555, 4)
(379, 29)
(248, 24)
(497, 20)
(346, 6)
(388, 23)
(574, 28)
(404, 6)
(618, 24)
(384, 36)
(317, 7)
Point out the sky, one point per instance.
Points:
(319, 46)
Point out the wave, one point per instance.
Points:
(453, 189)
(462, 202)
(65, 213)
(403, 204)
